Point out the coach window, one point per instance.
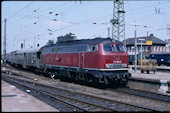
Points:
(93, 47)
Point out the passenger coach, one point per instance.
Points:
(25, 58)
(163, 58)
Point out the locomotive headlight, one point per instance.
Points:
(108, 65)
(124, 65)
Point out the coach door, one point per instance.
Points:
(38, 59)
(25, 61)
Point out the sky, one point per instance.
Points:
(36, 22)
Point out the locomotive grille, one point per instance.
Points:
(115, 66)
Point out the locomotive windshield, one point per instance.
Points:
(111, 48)
(120, 48)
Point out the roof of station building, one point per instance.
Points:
(155, 40)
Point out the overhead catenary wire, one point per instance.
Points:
(110, 15)
(38, 13)
(78, 23)
(20, 10)
(64, 21)
(64, 28)
(43, 33)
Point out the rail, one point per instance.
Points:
(111, 106)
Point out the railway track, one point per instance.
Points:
(141, 93)
(80, 101)
(146, 94)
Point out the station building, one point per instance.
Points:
(147, 43)
(157, 45)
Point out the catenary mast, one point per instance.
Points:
(4, 51)
(118, 22)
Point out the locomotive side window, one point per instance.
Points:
(64, 49)
(109, 48)
(70, 49)
(48, 50)
(93, 47)
(55, 50)
(81, 48)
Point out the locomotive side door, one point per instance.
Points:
(81, 60)
(38, 59)
(82, 50)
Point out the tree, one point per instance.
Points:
(50, 42)
(66, 38)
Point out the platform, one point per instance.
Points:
(159, 68)
(16, 100)
(158, 82)
(157, 76)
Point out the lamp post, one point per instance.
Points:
(135, 46)
(141, 48)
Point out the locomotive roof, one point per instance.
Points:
(86, 41)
(30, 50)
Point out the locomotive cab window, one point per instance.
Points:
(93, 48)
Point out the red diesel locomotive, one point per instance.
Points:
(99, 60)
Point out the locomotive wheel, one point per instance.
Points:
(73, 77)
(88, 78)
(122, 81)
(95, 82)
(106, 80)
(125, 82)
(45, 74)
